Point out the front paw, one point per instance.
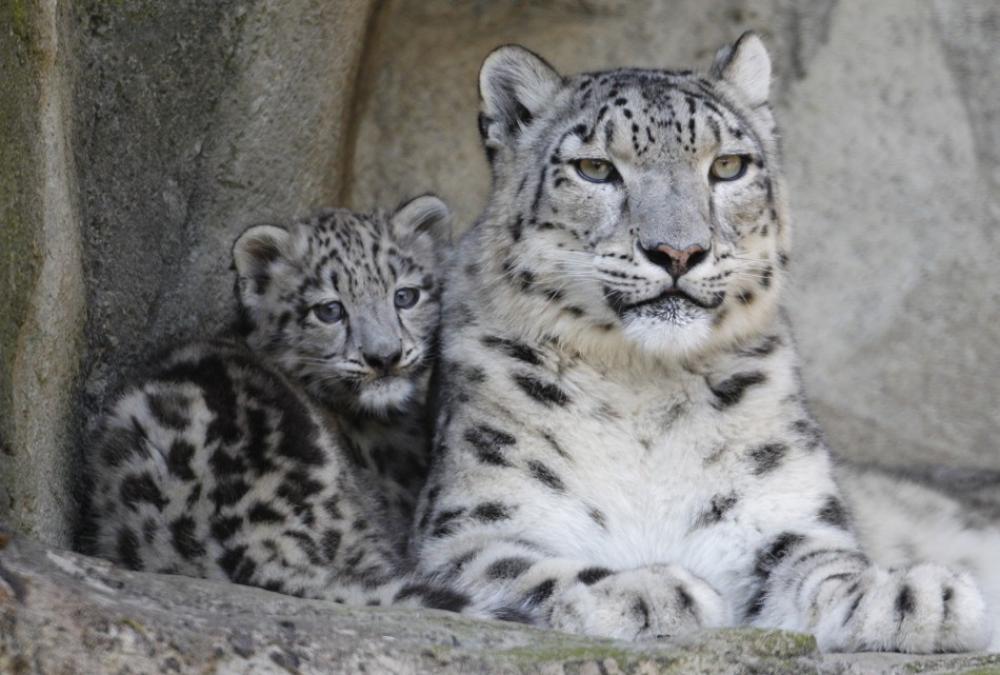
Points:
(645, 603)
(924, 609)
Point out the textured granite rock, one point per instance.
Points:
(42, 292)
(61, 612)
(891, 115)
(138, 139)
(196, 120)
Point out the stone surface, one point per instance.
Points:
(139, 139)
(143, 136)
(232, 113)
(235, 113)
(41, 275)
(62, 612)
(900, 354)
(891, 114)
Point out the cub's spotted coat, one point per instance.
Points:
(289, 459)
(622, 447)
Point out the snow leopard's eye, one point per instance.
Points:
(330, 312)
(406, 297)
(728, 167)
(596, 170)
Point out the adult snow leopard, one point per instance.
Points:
(289, 459)
(622, 447)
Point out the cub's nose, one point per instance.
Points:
(676, 262)
(382, 362)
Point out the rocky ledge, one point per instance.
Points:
(61, 612)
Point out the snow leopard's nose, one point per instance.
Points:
(677, 262)
(382, 361)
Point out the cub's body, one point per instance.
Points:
(289, 457)
(219, 466)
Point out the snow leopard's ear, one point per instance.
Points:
(746, 66)
(426, 213)
(514, 85)
(253, 253)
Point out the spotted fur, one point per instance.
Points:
(636, 407)
(943, 515)
(289, 459)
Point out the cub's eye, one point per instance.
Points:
(406, 297)
(728, 167)
(330, 312)
(596, 170)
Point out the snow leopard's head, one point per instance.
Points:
(347, 303)
(642, 204)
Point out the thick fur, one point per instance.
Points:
(621, 454)
(946, 516)
(284, 460)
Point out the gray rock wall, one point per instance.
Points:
(137, 138)
(194, 121)
(41, 278)
(891, 118)
(140, 137)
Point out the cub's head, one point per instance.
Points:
(642, 204)
(346, 303)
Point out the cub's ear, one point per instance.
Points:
(427, 214)
(253, 253)
(514, 85)
(746, 66)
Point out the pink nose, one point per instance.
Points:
(677, 262)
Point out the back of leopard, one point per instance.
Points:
(289, 458)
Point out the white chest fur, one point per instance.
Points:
(646, 457)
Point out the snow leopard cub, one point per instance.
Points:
(289, 459)
(623, 448)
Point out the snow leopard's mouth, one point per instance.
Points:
(669, 299)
